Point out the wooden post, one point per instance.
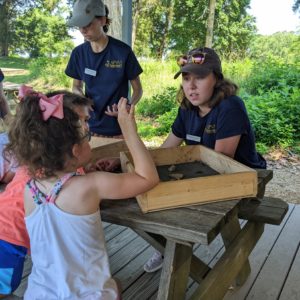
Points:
(127, 22)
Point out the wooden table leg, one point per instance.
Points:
(175, 272)
(229, 232)
(216, 283)
(198, 268)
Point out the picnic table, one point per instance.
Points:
(11, 90)
(173, 232)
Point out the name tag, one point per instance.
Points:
(90, 72)
(193, 138)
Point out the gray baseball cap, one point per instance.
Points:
(84, 11)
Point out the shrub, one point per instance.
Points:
(270, 75)
(275, 116)
(158, 104)
(50, 73)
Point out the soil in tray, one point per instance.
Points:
(187, 170)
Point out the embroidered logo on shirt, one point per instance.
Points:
(114, 64)
(210, 129)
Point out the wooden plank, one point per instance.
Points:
(264, 176)
(199, 190)
(207, 255)
(210, 255)
(121, 240)
(229, 233)
(257, 258)
(106, 147)
(112, 231)
(198, 268)
(268, 210)
(176, 267)
(229, 265)
(224, 208)
(183, 223)
(143, 288)
(105, 224)
(128, 253)
(134, 269)
(291, 289)
(233, 181)
(222, 163)
(269, 282)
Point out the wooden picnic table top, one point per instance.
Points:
(196, 223)
(173, 232)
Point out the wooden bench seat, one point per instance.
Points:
(268, 210)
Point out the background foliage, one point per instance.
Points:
(265, 67)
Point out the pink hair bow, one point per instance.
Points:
(50, 107)
(24, 91)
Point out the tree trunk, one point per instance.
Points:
(3, 29)
(115, 29)
(210, 23)
(168, 24)
(135, 21)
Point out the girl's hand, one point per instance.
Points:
(126, 117)
(107, 164)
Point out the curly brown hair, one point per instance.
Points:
(43, 146)
(222, 90)
(71, 99)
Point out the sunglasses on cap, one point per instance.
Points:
(195, 58)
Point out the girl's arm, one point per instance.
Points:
(144, 177)
(228, 146)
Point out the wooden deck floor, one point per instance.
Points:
(275, 263)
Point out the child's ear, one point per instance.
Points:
(76, 150)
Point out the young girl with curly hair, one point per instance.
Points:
(62, 206)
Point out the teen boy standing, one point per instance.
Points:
(104, 65)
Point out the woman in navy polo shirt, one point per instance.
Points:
(210, 114)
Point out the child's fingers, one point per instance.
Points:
(122, 103)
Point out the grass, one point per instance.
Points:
(14, 62)
(47, 75)
(157, 76)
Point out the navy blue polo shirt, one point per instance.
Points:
(229, 118)
(1, 76)
(106, 76)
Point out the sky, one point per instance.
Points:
(271, 16)
(274, 15)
